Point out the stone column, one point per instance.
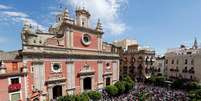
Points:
(63, 90)
(81, 84)
(50, 93)
(71, 37)
(93, 83)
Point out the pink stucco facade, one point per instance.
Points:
(70, 59)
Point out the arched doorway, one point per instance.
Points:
(87, 83)
(107, 81)
(57, 91)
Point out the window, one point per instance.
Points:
(172, 61)
(82, 23)
(40, 41)
(186, 61)
(166, 61)
(14, 80)
(192, 62)
(189, 53)
(56, 67)
(185, 67)
(86, 39)
(177, 62)
(107, 81)
(14, 85)
(108, 64)
(15, 97)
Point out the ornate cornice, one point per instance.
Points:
(11, 74)
(53, 81)
(82, 29)
(69, 56)
(53, 52)
(82, 73)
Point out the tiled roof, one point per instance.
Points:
(9, 55)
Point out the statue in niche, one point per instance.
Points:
(86, 67)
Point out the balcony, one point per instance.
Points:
(191, 71)
(174, 70)
(171, 70)
(14, 87)
(184, 70)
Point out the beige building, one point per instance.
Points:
(135, 61)
(159, 66)
(125, 43)
(184, 62)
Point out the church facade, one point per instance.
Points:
(68, 59)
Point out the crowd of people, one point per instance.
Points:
(141, 92)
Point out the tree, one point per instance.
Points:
(112, 90)
(128, 79)
(81, 97)
(178, 84)
(67, 98)
(94, 95)
(192, 86)
(159, 80)
(128, 86)
(128, 83)
(195, 95)
(120, 86)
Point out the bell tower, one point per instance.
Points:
(82, 17)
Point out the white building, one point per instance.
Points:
(184, 62)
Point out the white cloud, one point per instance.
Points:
(117, 27)
(19, 17)
(107, 10)
(9, 16)
(4, 7)
(14, 14)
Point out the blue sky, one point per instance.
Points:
(160, 24)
